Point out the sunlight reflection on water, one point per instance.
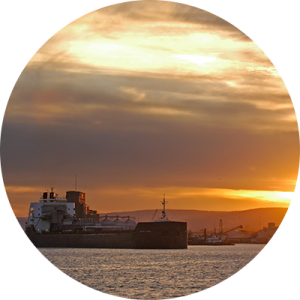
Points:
(152, 274)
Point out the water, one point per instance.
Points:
(152, 274)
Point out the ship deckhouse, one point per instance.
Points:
(49, 210)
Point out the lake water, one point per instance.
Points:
(152, 274)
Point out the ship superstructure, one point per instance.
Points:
(49, 211)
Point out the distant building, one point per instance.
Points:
(263, 236)
(239, 236)
(260, 237)
(82, 210)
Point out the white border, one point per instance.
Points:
(26, 25)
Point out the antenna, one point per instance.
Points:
(75, 182)
(221, 226)
(164, 208)
(215, 230)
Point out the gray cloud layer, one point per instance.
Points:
(92, 127)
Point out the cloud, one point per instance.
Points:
(150, 94)
(183, 18)
(61, 97)
(103, 37)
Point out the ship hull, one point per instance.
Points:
(196, 242)
(147, 235)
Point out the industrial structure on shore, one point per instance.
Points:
(232, 236)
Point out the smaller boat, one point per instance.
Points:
(211, 241)
(208, 241)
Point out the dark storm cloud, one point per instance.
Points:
(209, 158)
(95, 129)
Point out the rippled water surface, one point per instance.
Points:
(152, 274)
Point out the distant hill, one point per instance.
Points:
(252, 219)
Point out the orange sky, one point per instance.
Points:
(143, 99)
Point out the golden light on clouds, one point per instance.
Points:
(273, 196)
(148, 98)
(21, 189)
(172, 47)
(196, 59)
(192, 198)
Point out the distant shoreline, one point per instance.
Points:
(198, 219)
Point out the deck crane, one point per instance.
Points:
(152, 219)
(229, 230)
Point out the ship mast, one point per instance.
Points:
(164, 209)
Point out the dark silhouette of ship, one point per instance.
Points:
(69, 223)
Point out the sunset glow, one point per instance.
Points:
(143, 99)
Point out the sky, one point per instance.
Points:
(149, 98)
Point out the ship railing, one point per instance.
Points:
(58, 200)
(106, 216)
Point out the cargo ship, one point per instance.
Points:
(69, 223)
